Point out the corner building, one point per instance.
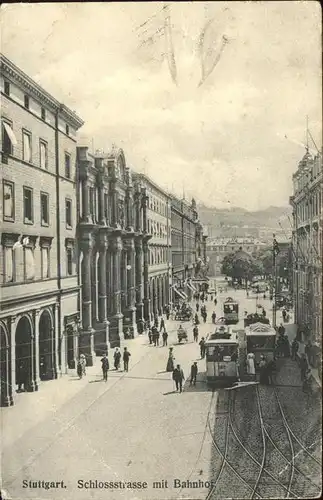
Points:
(39, 285)
(307, 247)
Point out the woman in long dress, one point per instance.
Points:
(171, 361)
(251, 369)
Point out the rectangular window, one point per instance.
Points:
(44, 262)
(26, 101)
(8, 138)
(8, 201)
(67, 166)
(43, 154)
(106, 206)
(67, 129)
(29, 263)
(69, 261)
(26, 141)
(43, 114)
(7, 88)
(8, 265)
(68, 213)
(28, 206)
(44, 209)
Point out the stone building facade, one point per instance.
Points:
(39, 283)
(159, 248)
(306, 202)
(188, 243)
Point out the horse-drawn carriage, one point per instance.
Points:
(182, 334)
(185, 314)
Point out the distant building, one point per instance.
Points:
(307, 246)
(218, 248)
(39, 282)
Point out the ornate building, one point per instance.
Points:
(157, 214)
(111, 250)
(307, 246)
(188, 248)
(39, 283)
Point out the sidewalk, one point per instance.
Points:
(31, 408)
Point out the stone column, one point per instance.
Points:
(36, 377)
(101, 339)
(6, 382)
(139, 280)
(115, 329)
(12, 325)
(86, 216)
(130, 321)
(57, 342)
(86, 341)
(102, 220)
(146, 280)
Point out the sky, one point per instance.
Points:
(236, 139)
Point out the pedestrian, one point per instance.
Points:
(167, 311)
(194, 371)
(303, 366)
(285, 346)
(211, 297)
(178, 377)
(154, 331)
(215, 301)
(126, 357)
(150, 336)
(157, 338)
(165, 337)
(281, 329)
(79, 369)
(271, 367)
(263, 371)
(202, 347)
(21, 376)
(83, 365)
(196, 319)
(263, 312)
(195, 333)
(105, 367)
(213, 317)
(156, 321)
(307, 381)
(117, 358)
(197, 306)
(251, 368)
(162, 325)
(284, 313)
(295, 347)
(171, 361)
(204, 316)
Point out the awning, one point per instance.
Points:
(10, 133)
(181, 294)
(191, 287)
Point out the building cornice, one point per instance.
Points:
(8, 68)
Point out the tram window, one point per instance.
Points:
(261, 342)
(218, 353)
(229, 308)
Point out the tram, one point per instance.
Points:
(222, 354)
(261, 340)
(231, 311)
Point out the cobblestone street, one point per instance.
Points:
(261, 441)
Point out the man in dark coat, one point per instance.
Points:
(295, 347)
(213, 317)
(105, 367)
(281, 329)
(303, 366)
(195, 333)
(202, 347)
(165, 337)
(154, 332)
(162, 325)
(126, 357)
(197, 306)
(194, 371)
(178, 377)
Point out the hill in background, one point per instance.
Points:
(238, 222)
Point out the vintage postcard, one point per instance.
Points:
(161, 250)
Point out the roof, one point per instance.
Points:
(25, 81)
(222, 342)
(259, 329)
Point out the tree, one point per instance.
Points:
(240, 266)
